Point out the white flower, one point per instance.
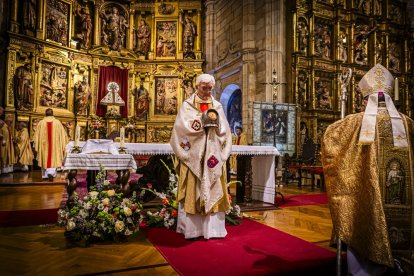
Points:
(111, 192)
(119, 226)
(106, 182)
(126, 201)
(93, 194)
(71, 225)
(83, 213)
(87, 205)
(127, 211)
(105, 201)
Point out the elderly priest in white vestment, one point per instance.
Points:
(201, 141)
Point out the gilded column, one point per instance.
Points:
(41, 25)
(198, 44)
(97, 31)
(130, 39)
(14, 25)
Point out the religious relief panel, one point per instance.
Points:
(83, 25)
(323, 38)
(323, 93)
(159, 134)
(360, 42)
(166, 39)
(54, 85)
(302, 36)
(166, 95)
(57, 21)
(394, 55)
(114, 26)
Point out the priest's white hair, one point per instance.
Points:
(207, 78)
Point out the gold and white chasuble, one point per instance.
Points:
(370, 181)
(202, 155)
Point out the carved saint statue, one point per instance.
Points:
(86, 26)
(302, 37)
(82, 95)
(113, 29)
(143, 37)
(189, 33)
(141, 102)
(23, 87)
(29, 14)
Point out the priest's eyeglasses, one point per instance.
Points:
(206, 88)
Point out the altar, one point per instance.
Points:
(259, 173)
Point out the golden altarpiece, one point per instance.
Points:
(57, 48)
(329, 36)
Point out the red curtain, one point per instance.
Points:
(118, 75)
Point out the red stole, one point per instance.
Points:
(49, 141)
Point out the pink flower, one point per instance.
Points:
(149, 185)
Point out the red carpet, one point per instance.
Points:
(300, 200)
(28, 217)
(249, 249)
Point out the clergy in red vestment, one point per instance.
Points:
(50, 140)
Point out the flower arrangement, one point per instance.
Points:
(103, 214)
(166, 214)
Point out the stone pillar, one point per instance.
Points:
(248, 64)
(209, 34)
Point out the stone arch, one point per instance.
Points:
(231, 100)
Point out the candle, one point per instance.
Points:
(396, 92)
(122, 134)
(77, 135)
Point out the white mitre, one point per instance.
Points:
(379, 79)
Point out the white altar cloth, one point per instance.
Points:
(74, 161)
(263, 164)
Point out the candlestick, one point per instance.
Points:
(122, 134)
(77, 135)
(396, 91)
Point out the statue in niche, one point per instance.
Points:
(29, 14)
(360, 43)
(113, 29)
(326, 45)
(83, 95)
(143, 37)
(141, 102)
(378, 51)
(364, 6)
(394, 57)
(302, 37)
(342, 46)
(189, 33)
(86, 26)
(302, 80)
(188, 88)
(23, 87)
(323, 98)
(377, 7)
